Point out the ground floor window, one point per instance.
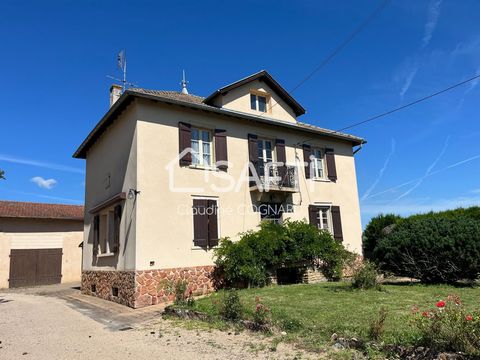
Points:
(106, 230)
(205, 223)
(327, 217)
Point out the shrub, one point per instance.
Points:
(261, 314)
(366, 277)
(231, 308)
(433, 249)
(375, 230)
(448, 327)
(377, 326)
(258, 254)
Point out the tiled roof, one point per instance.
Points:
(197, 102)
(15, 209)
(174, 95)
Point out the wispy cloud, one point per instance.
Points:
(408, 80)
(451, 166)
(46, 165)
(428, 171)
(474, 83)
(380, 174)
(44, 183)
(432, 20)
(475, 191)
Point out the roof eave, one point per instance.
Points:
(80, 153)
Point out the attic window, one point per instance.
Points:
(258, 102)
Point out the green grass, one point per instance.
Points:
(317, 311)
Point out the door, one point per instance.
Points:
(30, 267)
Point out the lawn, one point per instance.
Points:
(310, 314)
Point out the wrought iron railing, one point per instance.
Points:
(274, 176)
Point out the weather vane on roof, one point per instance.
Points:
(184, 84)
(122, 65)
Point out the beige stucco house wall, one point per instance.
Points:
(24, 233)
(134, 151)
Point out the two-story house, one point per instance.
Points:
(169, 173)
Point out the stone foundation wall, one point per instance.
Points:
(156, 286)
(145, 287)
(105, 281)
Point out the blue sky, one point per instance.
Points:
(56, 55)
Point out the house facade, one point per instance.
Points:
(168, 174)
(40, 244)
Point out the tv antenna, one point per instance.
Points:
(122, 65)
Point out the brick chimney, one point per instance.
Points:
(115, 93)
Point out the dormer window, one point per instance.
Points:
(258, 102)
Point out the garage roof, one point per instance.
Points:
(16, 209)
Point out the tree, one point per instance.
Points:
(2, 174)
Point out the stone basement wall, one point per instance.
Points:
(146, 287)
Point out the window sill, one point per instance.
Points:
(105, 255)
(202, 248)
(200, 167)
(321, 179)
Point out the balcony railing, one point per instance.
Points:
(272, 177)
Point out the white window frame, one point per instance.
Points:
(318, 157)
(320, 218)
(257, 107)
(106, 218)
(200, 141)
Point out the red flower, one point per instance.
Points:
(426, 314)
(441, 304)
(469, 318)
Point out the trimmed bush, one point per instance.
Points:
(375, 230)
(258, 254)
(434, 249)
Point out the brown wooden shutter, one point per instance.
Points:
(252, 154)
(185, 141)
(337, 223)
(307, 151)
(252, 148)
(331, 168)
(200, 222)
(212, 223)
(281, 157)
(313, 215)
(117, 216)
(96, 233)
(221, 148)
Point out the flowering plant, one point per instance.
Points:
(261, 315)
(448, 326)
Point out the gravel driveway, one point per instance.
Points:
(74, 326)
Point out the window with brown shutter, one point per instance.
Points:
(96, 233)
(331, 167)
(221, 148)
(205, 223)
(307, 151)
(252, 154)
(337, 223)
(184, 131)
(117, 216)
(281, 157)
(313, 215)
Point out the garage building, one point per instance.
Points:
(39, 243)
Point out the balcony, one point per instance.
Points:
(271, 177)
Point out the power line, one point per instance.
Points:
(339, 48)
(409, 104)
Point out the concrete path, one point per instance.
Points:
(61, 323)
